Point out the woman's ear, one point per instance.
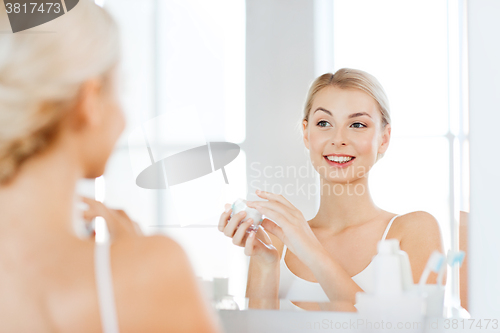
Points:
(305, 132)
(386, 138)
(87, 112)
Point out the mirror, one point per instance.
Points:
(238, 71)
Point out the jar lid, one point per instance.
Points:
(239, 205)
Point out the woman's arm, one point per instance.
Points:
(420, 236)
(335, 281)
(263, 280)
(263, 274)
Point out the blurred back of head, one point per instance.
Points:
(41, 73)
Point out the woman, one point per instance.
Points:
(59, 121)
(346, 128)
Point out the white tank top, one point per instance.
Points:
(294, 288)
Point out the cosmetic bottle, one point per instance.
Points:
(240, 205)
(394, 297)
(388, 275)
(222, 300)
(406, 273)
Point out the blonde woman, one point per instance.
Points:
(59, 121)
(346, 127)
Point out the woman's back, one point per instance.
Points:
(52, 282)
(48, 281)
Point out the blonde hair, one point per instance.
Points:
(348, 78)
(41, 75)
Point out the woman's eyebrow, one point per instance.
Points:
(353, 115)
(324, 110)
(358, 114)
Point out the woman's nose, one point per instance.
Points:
(339, 138)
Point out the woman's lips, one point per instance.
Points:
(339, 165)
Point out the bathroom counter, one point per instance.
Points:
(282, 321)
(273, 321)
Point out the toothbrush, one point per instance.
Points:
(457, 311)
(455, 257)
(434, 264)
(440, 277)
(452, 258)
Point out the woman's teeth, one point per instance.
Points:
(340, 159)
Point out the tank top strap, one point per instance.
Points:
(389, 226)
(104, 283)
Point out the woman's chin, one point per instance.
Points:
(94, 173)
(341, 180)
(337, 181)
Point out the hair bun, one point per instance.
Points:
(40, 76)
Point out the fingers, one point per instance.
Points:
(120, 223)
(273, 206)
(249, 244)
(241, 233)
(255, 242)
(131, 225)
(95, 208)
(224, 218)
(273, 228)
(270, 210)
(137, 228)
(233, 223)
(117, 221)
(274, 197)
(229, 224)
(253, 245)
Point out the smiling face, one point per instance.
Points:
(344, 134)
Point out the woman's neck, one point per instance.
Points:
(344, 205)
(40, 198)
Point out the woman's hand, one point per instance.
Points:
(257, 244)
(288, 224)
(118, 222)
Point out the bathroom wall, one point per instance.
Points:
(484, 113)
(279, 68)
(180, 52)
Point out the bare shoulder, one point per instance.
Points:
(146, 265)
(156, 287)
(145, 252)
(419, 225)
(420, 235)
(417, 228)
(164, 247)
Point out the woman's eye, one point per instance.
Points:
(358, 125)
(322, 122)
